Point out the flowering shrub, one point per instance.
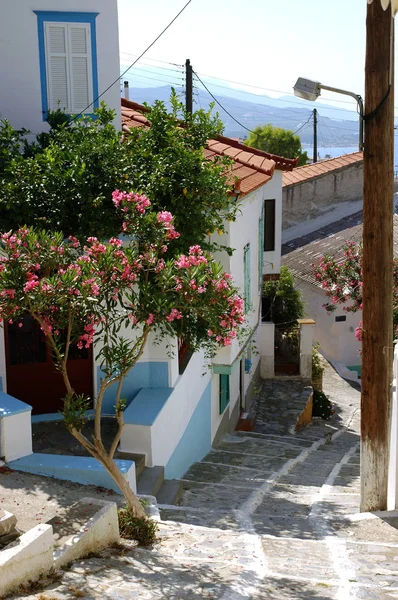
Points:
(342, 281)
(82, 294)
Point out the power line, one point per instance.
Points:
(320, 99)
(304, 124)
(220, 105)
(135, 62)
(260, 112)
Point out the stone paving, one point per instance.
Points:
(267, 514)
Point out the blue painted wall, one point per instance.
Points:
(143, 375)
(196, 441)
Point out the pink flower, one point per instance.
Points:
(165, 217)
(150, 319)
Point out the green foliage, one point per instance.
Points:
(282, 301)
(64, 180)
(317, 368)
(142, 530)
(276, 140)
(170, 170)
(321, 405)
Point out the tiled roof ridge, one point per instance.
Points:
(281, 163)
(328, 160)
(320, 168)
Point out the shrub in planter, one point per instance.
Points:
(321, 405)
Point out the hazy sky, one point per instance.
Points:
(259, 42)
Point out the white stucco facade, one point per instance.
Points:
(20, 90)
(337, 338)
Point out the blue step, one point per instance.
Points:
(79, 469)
(146, 406)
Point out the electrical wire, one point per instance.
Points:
(135, 62)
(304, 124)
(220, 105)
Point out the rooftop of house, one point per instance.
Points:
(307, 172)
(251, 168)
(299, 255)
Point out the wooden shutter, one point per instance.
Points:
(260, 248)
(224, 392)
(269, 225)
(80, 71)
(57, 66)
(247, 277)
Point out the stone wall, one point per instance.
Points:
(319, 201)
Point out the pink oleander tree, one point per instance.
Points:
(341, 279)
(90, 293)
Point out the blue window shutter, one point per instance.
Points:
(260, 248)
(224, 392)
(247, 277)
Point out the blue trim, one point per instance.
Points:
(50, 417)
(145, 374)
(65, 17)
(79, 469)
(195, 442)
(146, 406)
(12, 406)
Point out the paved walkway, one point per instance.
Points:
(268, 514)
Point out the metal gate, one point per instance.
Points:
(287, 350)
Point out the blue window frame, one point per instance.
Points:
(224, 392)
(260, 248)
(72, 67)
(247, 278)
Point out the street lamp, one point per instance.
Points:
(311, 90)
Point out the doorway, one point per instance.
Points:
(31, 373)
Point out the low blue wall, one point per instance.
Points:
(142, 375)
(196, 440)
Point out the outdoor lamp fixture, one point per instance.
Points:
(311, 90)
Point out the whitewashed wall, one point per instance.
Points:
(337, 339)
(317, 202)
(20, 91)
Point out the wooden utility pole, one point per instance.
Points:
(188, 86)
(315, 155)
(377, 340)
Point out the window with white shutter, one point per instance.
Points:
(68, 66)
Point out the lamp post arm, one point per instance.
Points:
(359, 100)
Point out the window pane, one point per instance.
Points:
(269, 225)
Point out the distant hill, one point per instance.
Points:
(331, 131)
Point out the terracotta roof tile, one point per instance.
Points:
(299, 255)
(252, 167)
(300, 174)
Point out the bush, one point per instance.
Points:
(282, 302)
(321, 405)
(143, 530)
(317, 368)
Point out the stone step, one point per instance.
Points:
(170, 492)
(138, 459)
(150, 481)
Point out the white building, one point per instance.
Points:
(335, 331)
(57, 53)
(64, 53)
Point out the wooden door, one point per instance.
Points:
(31, 373)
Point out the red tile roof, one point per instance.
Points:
(300, 174)
(252, 167)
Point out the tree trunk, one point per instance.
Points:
(109, 464)
(377, 338)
